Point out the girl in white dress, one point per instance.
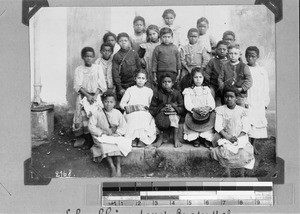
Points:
(258, 97)
(108, 127)
(89, 84)
(232, 123)
(199, 99)
(136, 101)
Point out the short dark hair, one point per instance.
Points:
(166, 74)
(231, 88)
(123, 34)
(108, 34)
(167, 11)
(107, 94)
(139, 18)
(192, 30)
(221, 42)
(252, 48)
(87, 49)
(228, 32)
(106, 44)
(202, 19)
(165, 30)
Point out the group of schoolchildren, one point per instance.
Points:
(143, 86)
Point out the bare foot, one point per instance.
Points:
(119, 174)
(159, 141)
(177, 143)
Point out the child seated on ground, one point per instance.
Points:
(213, 69)
(167, 107)
(139, 36)
(140, 123)
(125, 65)
(105, 61)
(206, 40)
(199, 103)
(232, 123)
(108, 127)
(169, 17)
(236, 73)
(192, 55)
(111, 38)
(258, 97)
(166, 57)
(89, 84)
(148, 48)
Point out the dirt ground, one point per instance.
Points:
(58, 158)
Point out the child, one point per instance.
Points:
(232, 123)
(258, 97)
(139, 36)
(198, 100)
(236, 73)
(136, 101)
(169, 16)
(166, 57)
(229, 37)
(89, 83)
(206, 40)
(192, 55)
(111, 38)
(148, 48)
(105, 61)
(166, 107)
(108, 127)
(125, 64)
(213, 69)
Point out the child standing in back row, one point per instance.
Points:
(89, 84)
(139, 36)
(206, 40)
(125, 65)
(111, 38)
(166, 57)
(105, 61)
(236, 73)
(148, 48)
(213, 69)
(169, 17)
(258, 97)
(192, 55)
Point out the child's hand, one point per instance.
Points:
(164, 109)
(115, 135)
(240, 89)
(204, 110)
(90, 99)
(121, 92)
(155, 80)
(233, 139)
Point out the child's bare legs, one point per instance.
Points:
(252, 141)
(112, 166)
(159, 140)
(243, 172)
(118, 165)
(177, 143)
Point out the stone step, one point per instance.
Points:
(166, 156)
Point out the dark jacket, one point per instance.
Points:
(163, 97)
(124, 71)
(238, 75)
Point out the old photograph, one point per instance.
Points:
(153, 91)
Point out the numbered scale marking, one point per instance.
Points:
(135, 194)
